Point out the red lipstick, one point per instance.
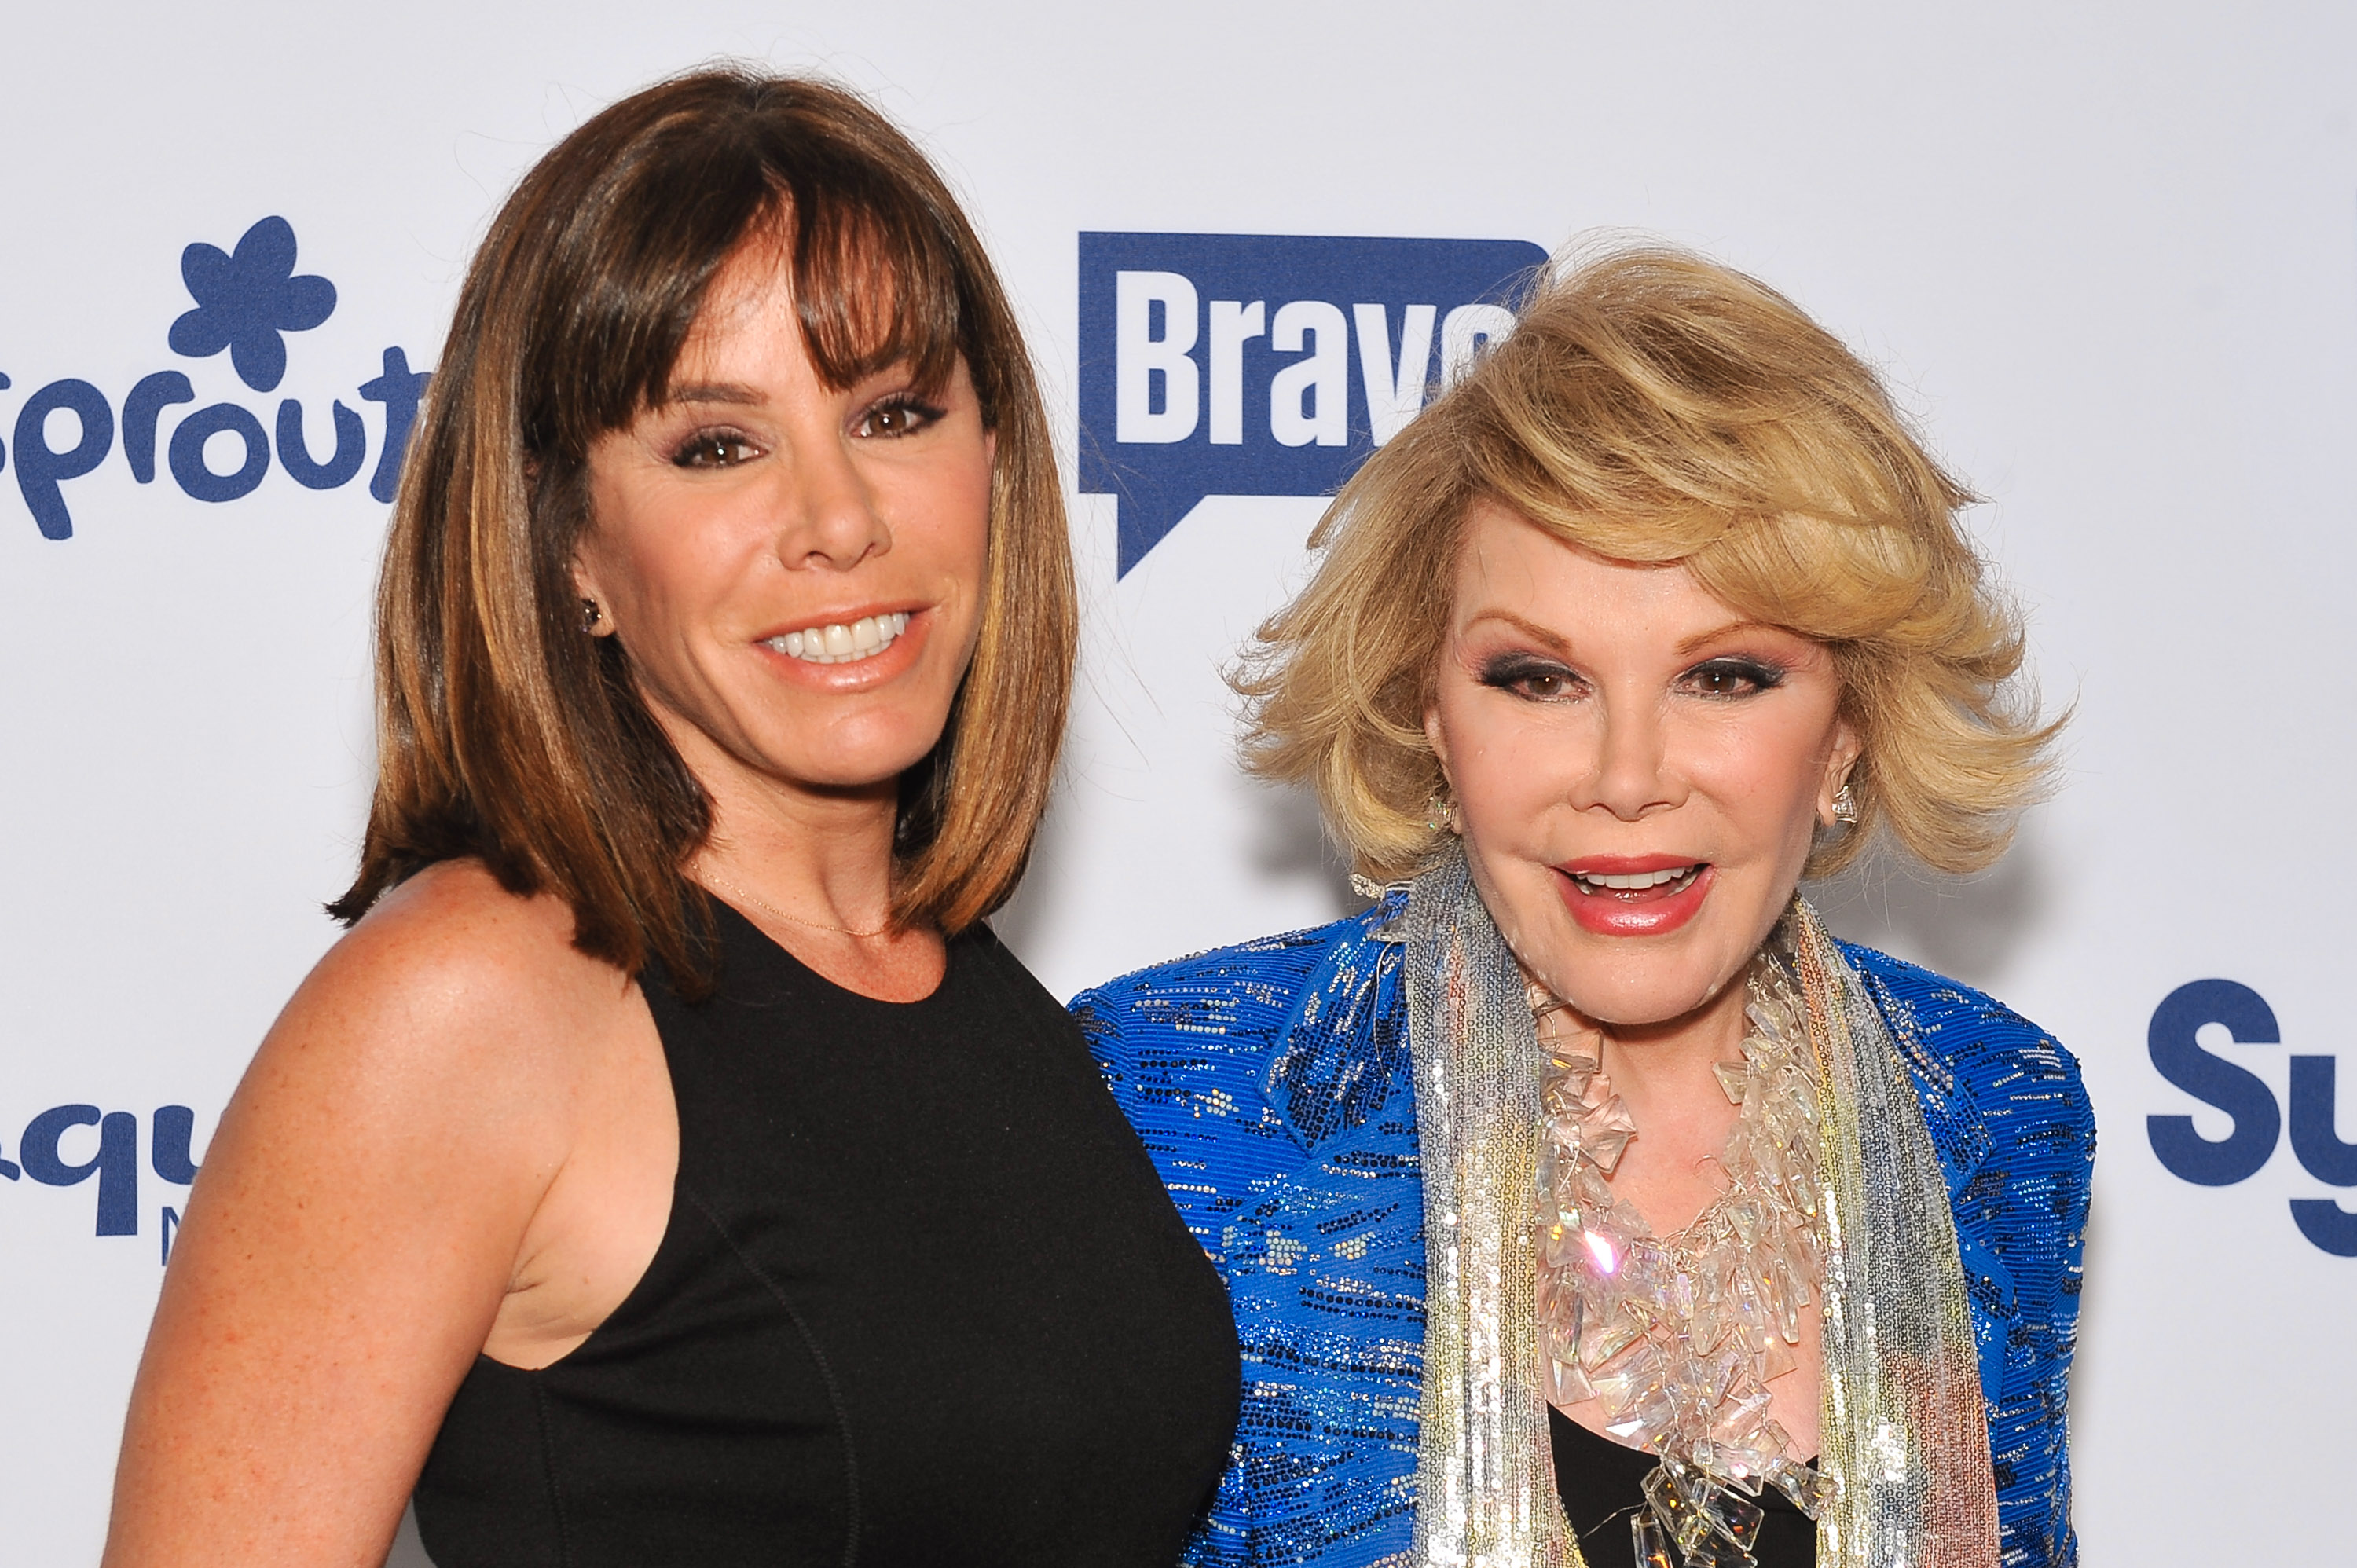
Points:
(1655, 907)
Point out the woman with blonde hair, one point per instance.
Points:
(669, 1167)
(1583, 1197)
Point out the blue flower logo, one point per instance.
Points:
(247, 300)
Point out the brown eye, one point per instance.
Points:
(1532, 679)
(1733, 678)
(713, 449)
(897, 416)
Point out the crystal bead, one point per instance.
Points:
(1734, 1078)
(1568, 1384)
(1644, 1421)
(1714, 1550)
(1606, 1146)
(1675, 1338)
(1652, 1546)
(1674, 1492)
(1736, 1517)
(1809, 1489)
(1607, 1340)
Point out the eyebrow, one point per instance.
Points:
(1528, 628)
(1555, 641)
(732, 392)
(1729, 629)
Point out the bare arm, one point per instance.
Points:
(355, 1231)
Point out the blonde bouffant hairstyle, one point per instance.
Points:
(1653, 406)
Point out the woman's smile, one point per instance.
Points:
(1635, 896)
(848, 651)
(838, 643)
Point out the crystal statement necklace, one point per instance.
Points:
(1676, 1338)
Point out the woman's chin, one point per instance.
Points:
(1628, 1015)
(1622, 991)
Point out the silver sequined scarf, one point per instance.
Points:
(1904, 1431)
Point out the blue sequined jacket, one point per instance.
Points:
(1272, 1084)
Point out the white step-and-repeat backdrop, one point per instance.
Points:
(2107, 254)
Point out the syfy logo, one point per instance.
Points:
(247, 300)
(2258, 1120)
(46, 1151)
(1267, 365)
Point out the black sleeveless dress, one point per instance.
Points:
(922, 1300)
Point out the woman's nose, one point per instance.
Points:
(829, 514)
(1631, 776)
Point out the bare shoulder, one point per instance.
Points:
(451, 969)
(359, 1221)
(452, 941)
(454, 1010)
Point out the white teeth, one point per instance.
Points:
(1638, 881)
(840, 644)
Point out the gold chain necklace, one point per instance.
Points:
(769, 908)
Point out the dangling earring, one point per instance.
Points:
(590, 615)
(1440, 816)
(1845, 806)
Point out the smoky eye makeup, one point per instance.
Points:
(1529, 675)
(1734, 675)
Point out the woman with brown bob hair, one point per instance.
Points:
(1583, 1200)
(670, 1167)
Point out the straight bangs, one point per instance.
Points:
(507, 734)
(873, 283)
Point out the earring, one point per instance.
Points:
(1845, 806)
(1440, 816)
(590, 615)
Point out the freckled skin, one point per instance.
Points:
(1585, 707)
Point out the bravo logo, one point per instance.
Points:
(1267, 365)
(2258, 1122)
(68, 1145)
(246, 302)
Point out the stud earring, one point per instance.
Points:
(1440, 816)
(1845, 806)
(590, 615)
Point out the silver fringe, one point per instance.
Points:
(1485, 1466)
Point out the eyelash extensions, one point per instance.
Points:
(1516, 672)
(1513, 672)
(1763, 676)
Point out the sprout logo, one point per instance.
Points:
(247, 301)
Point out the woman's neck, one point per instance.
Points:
(1662, 1073)
(826, 858)
(812, 868)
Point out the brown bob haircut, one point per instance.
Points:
(504, 732)
(1653, 406)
